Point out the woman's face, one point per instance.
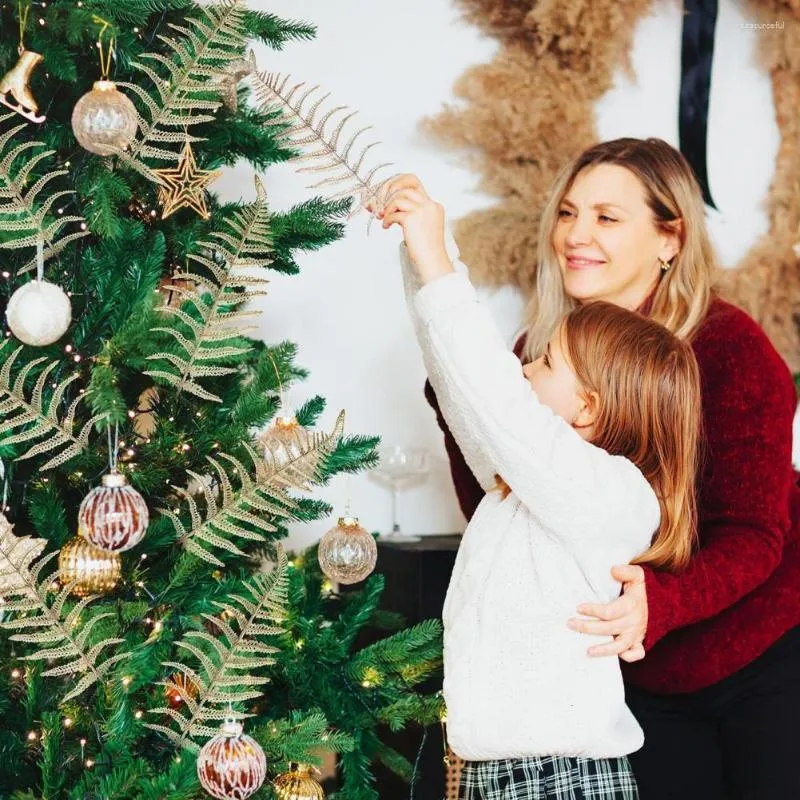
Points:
(605, 239)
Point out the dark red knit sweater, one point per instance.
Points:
(741, 591)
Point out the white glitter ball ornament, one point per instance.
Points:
(104, 120)
(232, 765)
(113, 516)
(39, 313)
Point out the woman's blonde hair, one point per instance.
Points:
(648, 410)
(684, 292)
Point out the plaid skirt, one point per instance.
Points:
(548, 778)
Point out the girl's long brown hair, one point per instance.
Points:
(649, 410)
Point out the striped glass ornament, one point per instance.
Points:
(232, 765)
(113, 516)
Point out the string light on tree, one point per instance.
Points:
(231, 765)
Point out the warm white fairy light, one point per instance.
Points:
(32, 736)
(138, 713)
(68, 722)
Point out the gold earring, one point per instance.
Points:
(665, 265)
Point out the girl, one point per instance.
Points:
(593, 448)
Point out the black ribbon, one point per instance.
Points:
(697, 53)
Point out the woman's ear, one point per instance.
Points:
(586, 416)
(671, 244)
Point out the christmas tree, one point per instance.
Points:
(155, 640)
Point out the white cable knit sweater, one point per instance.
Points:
(517, 681)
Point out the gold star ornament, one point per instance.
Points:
(184, 186)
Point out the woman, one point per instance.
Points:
(712, 651)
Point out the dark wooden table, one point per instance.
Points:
(417, 575)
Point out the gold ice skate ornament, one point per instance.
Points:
(15, 83)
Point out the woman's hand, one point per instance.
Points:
(625, 618)
(422, 220)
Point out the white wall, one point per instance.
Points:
(395, 63)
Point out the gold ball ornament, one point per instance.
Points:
(96, 571)
(232, 765)
(113, 516)
(39, 313)
(298, 784)
(347, 553)
(104, 120)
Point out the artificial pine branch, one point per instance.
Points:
(241, 242)
(16, 411)
(56, 624)
(22, 211)
(226, 661)
(185, 89)
(261, 497)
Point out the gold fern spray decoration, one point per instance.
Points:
(242, 242)
(319, 135)
(23, 211)
(27, 597)
(263, 495)
(187, 86)
(17, 410)
(226, 662)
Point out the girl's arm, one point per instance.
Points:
(566, 482)
(468, 442)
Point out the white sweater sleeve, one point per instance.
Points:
(468, 440)
(501, 426)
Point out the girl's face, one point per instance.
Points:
(605, 239)
(556, 386)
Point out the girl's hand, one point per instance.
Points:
(625, 618)
(408, 205)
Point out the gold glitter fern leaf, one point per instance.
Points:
(187, 84)
(242, 242)
(23, 212)
(229, 661)
(18, 411)
(28, 598)
(319, 135)
(263, 495)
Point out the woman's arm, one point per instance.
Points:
(750, 403)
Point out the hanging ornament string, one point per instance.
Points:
(113, 451)
(106, 51)
(24, 9)
(277, 378)
(39, 260)
(4, 474)
(347, 494)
